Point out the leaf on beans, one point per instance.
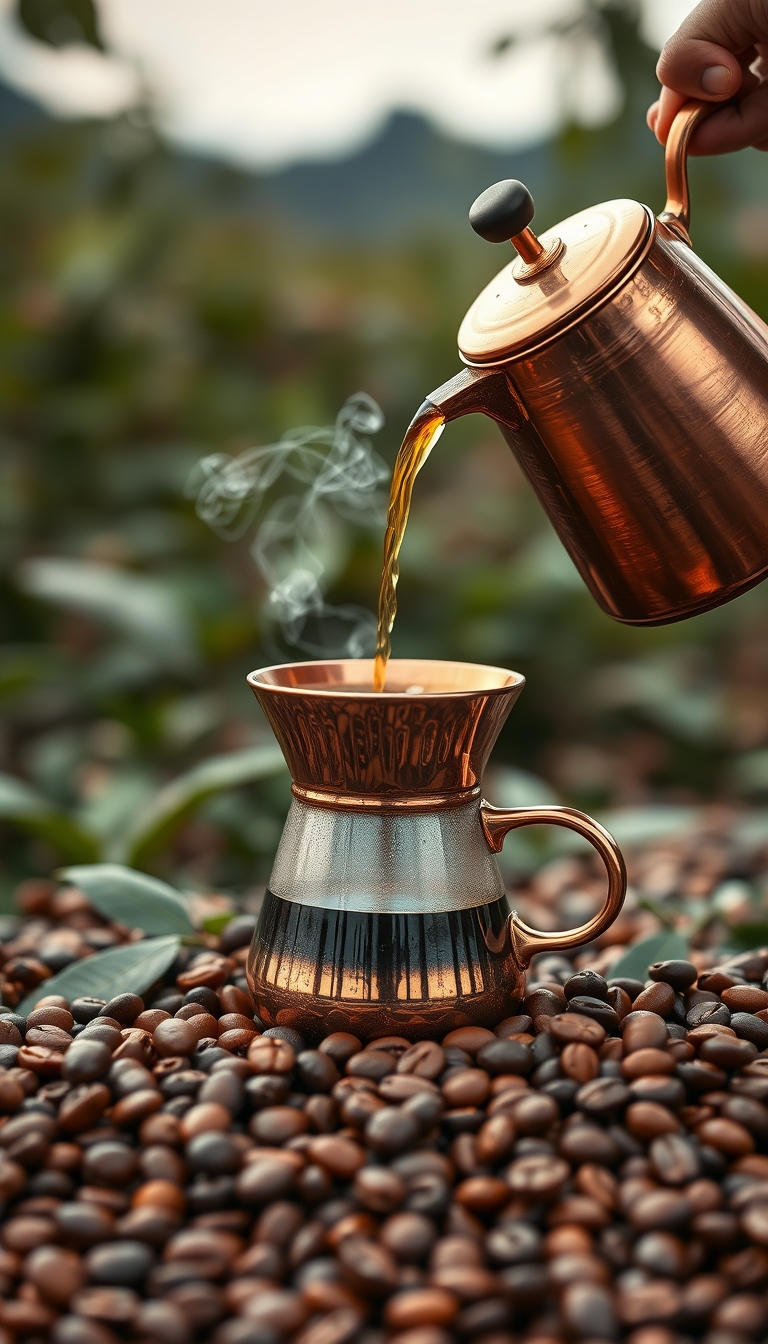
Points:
(167, 812)
(121, 970)
(659, 947)
(130, 897)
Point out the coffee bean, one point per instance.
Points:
(57, 1273)
(120, 1263)
(379, 1189)
(422, 1306)
(666, 1091)
(340, 1156)
(705, 1013)
(603, 1096)
(675, 1159)
(537, 1177)
(587, 1310)
(504, 1056)
(572, 1026)
(391, 1130)
(86, 1061)
(368, 1267)
(467, 1087)
(587, 983)
(726, 1135)
(268, 1055)
(578, 1061)
(174, 1036)
(658, 998)
(750, 1028)
(124, 1008)
(727, 1052)
(85, 1009)
(679, 974)
(643, 1031)
(597, 1009)
(111, 1163)
(83, 1106)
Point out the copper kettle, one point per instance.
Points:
(632, 386)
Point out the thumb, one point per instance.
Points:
(700, 60)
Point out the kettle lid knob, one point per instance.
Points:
(502, 211)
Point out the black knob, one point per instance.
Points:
(502, 211)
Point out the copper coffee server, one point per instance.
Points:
(632, 385)
(386, 912)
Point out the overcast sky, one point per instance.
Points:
(267, 83)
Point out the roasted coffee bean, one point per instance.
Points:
(83, 1106)
(86, 1061)
(426, 1059)
(109, 1163)
(675, 1159)
(537, 1177)
(123, 1264)
(124, 1008)
(750, 1028)
(270, 1055)
(603, 1096)
(391, 1130)
(573, 1026)
(504, 1056)
(679, 974)
(587, 983)
(643, 1031)
(578, 1061)
(706, 1013)
(597, 1009)
(371, 1064)
(341, 1046)
(466, 1087)
(85, 1009)
(316, 1070)
(658, 998)
(214, 1153)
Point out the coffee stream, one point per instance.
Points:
(421, 437)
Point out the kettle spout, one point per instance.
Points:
(483, 390)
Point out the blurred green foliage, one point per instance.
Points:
(155, 308)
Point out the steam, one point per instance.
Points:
(337, 470)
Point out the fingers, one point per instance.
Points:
(667, 108)
(707, 58)
(735, 126)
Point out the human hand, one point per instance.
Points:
(719, 53)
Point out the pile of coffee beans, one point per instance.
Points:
(172, 1171)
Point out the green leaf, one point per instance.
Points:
(131, 898)
(659, 947)
(170, 808)
(746, 937)
(142, 608)
(25, 807)
(215, 923)
(121, 970)
(60, 22)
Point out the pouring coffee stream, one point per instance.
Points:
(632, 386)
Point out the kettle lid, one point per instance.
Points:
(556, 279)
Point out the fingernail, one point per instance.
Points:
(716, 79)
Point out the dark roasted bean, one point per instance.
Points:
(123, 1264)
(679, 974)
(597, 1009)
(750, 1028)
(505, 1056)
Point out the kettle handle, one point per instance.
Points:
(527, 942)
(677, 211)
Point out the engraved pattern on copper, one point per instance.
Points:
(346, 739)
